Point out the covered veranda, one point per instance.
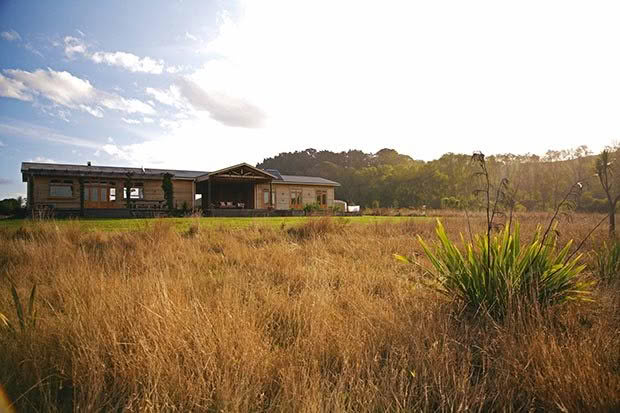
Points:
(232, 191)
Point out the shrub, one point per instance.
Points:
(12, 207)
(309, 208)
(450, 203)
(490, 276)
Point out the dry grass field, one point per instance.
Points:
(311, 317)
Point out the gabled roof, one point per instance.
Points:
(241, 171)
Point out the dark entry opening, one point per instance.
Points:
(227, 194)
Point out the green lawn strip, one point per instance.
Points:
(182, 224)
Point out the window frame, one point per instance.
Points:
(137, 186)
(321, 197)
(299, 197)
(266, 197)
(59, 184)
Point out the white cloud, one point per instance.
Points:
(31, 48)
(170, 96)
(2, 144)
(189, 94)
(10, 35)
(131, 121)
(190, 36)
(117, 152)
(63, 114)
(197, 133)
(73, 45)
(175, 69)
(168, 124)
(462, 76)
(29, 130)
(41, 159)
(422, 77)
(125, 60)
(129, 61)
(229, 110)
(64, 89)
(60, 87)
(147, 120)
(15, 89)
(127, 105)
(95, 111)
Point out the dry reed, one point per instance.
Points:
(319, 317)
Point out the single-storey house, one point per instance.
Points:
(239, 190)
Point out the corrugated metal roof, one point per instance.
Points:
(275, 173)
(183, 174)
(103, 170)
(312, 180)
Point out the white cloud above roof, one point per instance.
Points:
(129, 61)
(65, 89)
(60, 87)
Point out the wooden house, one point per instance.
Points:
(108, 191)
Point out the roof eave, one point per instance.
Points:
(90, 174)
(306, 183)
(238, 166)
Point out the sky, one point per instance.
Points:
(207, 84)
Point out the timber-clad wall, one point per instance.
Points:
(183, 191)
(283, 194)
(41, 193)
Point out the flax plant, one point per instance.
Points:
(26, 316)
(608, 262)
(494, 271)
(533, 270)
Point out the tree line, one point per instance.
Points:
(390, 179)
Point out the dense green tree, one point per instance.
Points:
(390, 178)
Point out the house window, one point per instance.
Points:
(266, 197)
(296, 198)
(112, 194)
(321, 198)
(135, 192)
(60, 189)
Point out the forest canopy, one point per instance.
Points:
(390, 179)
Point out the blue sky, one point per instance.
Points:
(205, 84)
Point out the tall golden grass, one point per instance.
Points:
(313, 318)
